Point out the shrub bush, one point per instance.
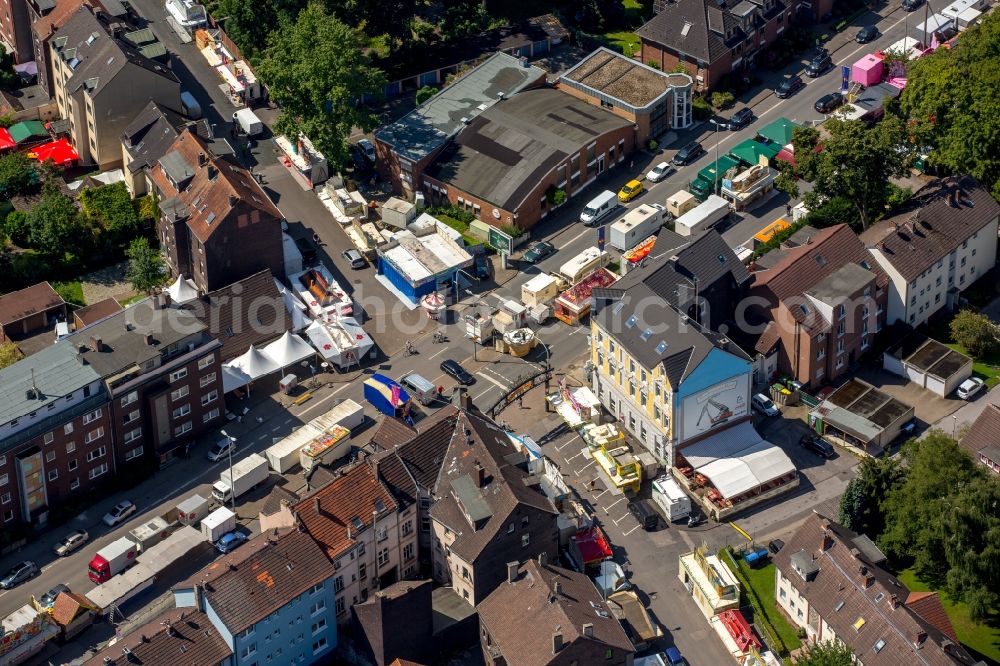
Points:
(723, 99)
(701, 109)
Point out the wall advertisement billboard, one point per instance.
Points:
(715, 407)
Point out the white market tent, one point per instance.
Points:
(182, 291)
(295, 307)
(288, 349)
(233, 378)
(342, 342)
(738, 460)
(242, 370)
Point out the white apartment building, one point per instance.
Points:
(944, 241)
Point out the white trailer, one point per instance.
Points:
(702, 217)
(583, 265)
(333, 443)
(638, 224)
(284, 455)
(669, 496)
(192, 510)
(248, 122)
(348, 413)
(217, 523)
(151, 532)
(398, 212)
(247, 473)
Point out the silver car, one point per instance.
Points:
(71, 542)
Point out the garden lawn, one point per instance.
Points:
(761, 580)
(983, 638)
(71, 292)
(988, 368)
(626, 42)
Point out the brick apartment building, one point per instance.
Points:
(711, 39)
(217, 226)
(826, 300)
(15, 29)
(561, 142)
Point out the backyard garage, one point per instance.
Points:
(928, 364)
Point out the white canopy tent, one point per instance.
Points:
(233, 378)
(342, 342)
(738, 460)
(288, 349)
(242, 370)
(296, 309)
(182, 290)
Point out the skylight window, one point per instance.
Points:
(662, 347)
(211, 217)
(721, 258)
(860, 622)
(686, 29)
(357, 523)
(879, 597)
(630, 322)
(379, 505)
(618, 307)
(804, 308)
(879, 644)
(840, 604)
(646, 335)
(820, 259)
(865, 265)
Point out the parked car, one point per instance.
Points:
(817, 445)
(828, 102)
(764, 405)
(49, 598)
(221, 449)
(867, 34)
(969, 388)
(687, 154)
(647, 517)
(307, 250)
(367, 149)
(538, 251)
(912, 5)
(775, 546)
(481, 266)
(19, 573)
(674, 656)
(630, 190)
(118, 513)
(659, 172)
(230, 541)
(354, 258)
(741, 119)
(819, 65)
(71, 542)
(455, 370)
(789, 87)
(695, 518)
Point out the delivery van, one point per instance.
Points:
(419, 387)
(190, 106)
(599, 208)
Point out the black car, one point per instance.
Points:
(741, 119)
(911, 5)
(817, 445)
(538, 251)
(455, 370)
(646, 515)
(481, 267)
(819, 64)
(829, 102)
(867, 34)
(687, 154)
(307, 250)
(789, 87)
(775, 545)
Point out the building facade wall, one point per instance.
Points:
(15, 29)
(238, 248)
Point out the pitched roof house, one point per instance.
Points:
(827, 300)
(981, 439)
(30, 309)
(397, 622)
(145, 140)
(543, 615)
(216, 224)
(943, 240)
(830, 582)
(176, 637)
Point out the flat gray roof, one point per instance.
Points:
(608, 74)
(506, 151)
(58, 372)
(426, 128)
(840, 284)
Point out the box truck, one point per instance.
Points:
(247, 473)
(112, 559)
(702, 217)
(347, 413)
(152, 531)
(669, 496)
(248, 122)
(639, 223)
(217, 523)
(192, 510)
(284, 454)
(328, 446)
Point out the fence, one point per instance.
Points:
(760, 621)
(808, 400)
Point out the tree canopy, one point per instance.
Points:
(145, 266)
(951, 101)
(862, 506)
(54, 226)
(111, 207)
(17, 174)
(317, 71)
(828, 653)
(976, 332)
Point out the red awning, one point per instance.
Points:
(785, 155)
(739, 629)
(61, 152)
(6, 143)
(593, 545)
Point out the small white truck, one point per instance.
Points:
(247, 473)
(669, 496)
(217, 523)
(702, 217)
(635, 226)
(248, 121)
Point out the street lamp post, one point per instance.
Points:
(232, 488)
(548, 371)
(717, 123)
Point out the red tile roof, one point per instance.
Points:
(929, 607)
(176, 637)
(97, 311)
(328, 514)
(63, 10)
(21, 304)
(68, 606)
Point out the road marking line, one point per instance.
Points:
(621, 519)
(436, 354)
(581, 470)
(276, 428)
(323, 399)
(491, 380)
(598, 495)
(631, 530)
(571, 458)
(620, 499)
(573, 239)
(483, 393)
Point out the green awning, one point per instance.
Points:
(725, 163)
(749, 151)
(779, 132)
(28, 129)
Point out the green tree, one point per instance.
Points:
(145, 266)
(976, 332)
(317, 71)
(9, 354)
(857, 162)
(936, 469)
(723, 99)
(248, 23)
(862, 506)
(950, 101)
(17, 174)
(804, 142)
(16, 227)
(851, 508)
(54, 226)
(972, 545)
(8, 77)
(425, 94)
(829, 653)
(786, 181)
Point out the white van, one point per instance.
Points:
(419, 388)
(599, 208)
(248, 122)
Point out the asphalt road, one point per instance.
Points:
(495, 374)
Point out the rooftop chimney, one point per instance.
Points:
(319, 511)
(894, 601)
(233, 199)
(149, 339)
(557, 643)
(95, 344)
(543, 558)
(511, 572)
(199, 599)
(557, 587)
(826, 543)
(855, 553)
(588, 630)
(202, 160)
(480, 475)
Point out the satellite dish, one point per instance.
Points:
(496, 213)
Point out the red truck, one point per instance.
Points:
(114, 558)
